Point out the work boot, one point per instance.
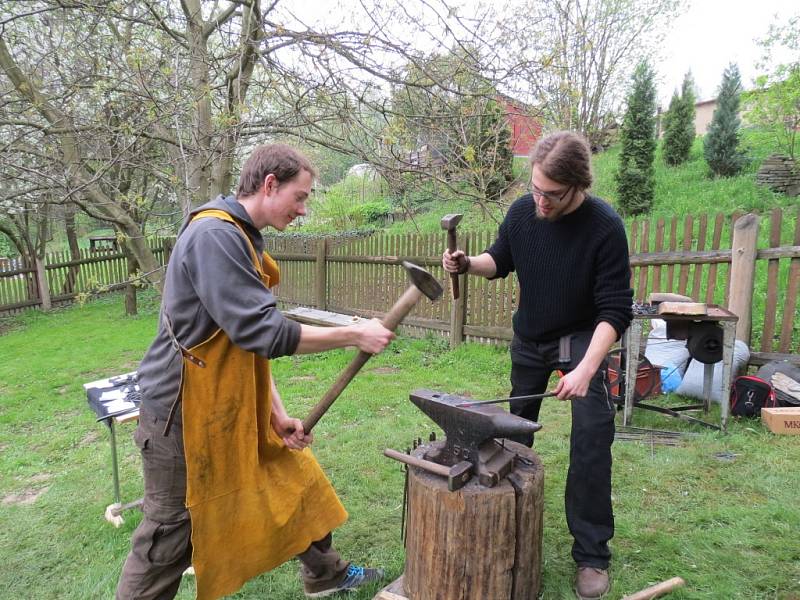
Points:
(352, 579)
(591, 583)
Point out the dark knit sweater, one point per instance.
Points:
(573, 272)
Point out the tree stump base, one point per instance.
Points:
(477, 543)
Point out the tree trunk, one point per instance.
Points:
(130, 287)
(74, 249)
(151, 271)
(41, 284)
(476, 543)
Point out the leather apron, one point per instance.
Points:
(254, 503)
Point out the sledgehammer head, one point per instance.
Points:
(423, 280)
(450, 221)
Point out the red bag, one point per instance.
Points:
(749, 395)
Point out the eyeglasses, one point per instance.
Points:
(554, 197)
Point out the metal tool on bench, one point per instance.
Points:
(473, 444)
(449, 224)
(422, 283)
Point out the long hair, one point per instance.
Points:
(564, 157)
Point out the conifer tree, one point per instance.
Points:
(721, 144)
(635, 178)
(679, 124)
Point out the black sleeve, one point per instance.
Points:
(219, 266)
(500, 250)
(613, 294)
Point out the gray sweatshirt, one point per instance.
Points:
(211, 284)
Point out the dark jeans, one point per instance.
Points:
(587, 497)
(161, 547)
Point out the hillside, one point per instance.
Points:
(686, 189)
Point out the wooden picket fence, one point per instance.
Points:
(93, 272)
(689, 255)
(361, 275)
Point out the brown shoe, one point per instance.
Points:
(591, 583)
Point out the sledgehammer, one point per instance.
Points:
(422, 282)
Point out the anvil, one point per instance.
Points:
(472, 434)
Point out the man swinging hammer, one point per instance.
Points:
(229, 485)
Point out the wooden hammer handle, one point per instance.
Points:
(657, 590)
(452, 247)
(427, 465)
(391, 320)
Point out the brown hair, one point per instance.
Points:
(279, 159)
(564, 157)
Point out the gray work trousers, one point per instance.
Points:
(161, 548)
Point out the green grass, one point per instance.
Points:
(729, 527)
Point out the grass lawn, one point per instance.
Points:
(720, 511)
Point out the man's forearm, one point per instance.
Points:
(277, 404)
(482, 265)
(318, 339)
(603, 338)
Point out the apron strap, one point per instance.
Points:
(224, 216)
(180, 348)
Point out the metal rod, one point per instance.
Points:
(114, 466)
(509, 399)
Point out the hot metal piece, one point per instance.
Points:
(508, 399)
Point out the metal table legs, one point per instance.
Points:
(632, 340)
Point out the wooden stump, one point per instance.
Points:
(476, 543)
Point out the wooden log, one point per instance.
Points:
(655, 297)
(682, 308)
(657, 590)
(478, 542)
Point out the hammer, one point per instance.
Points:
(449, 224)
(422, 282)
(457, 475)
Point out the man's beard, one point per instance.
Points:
(553, 216)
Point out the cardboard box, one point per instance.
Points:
(785, 421)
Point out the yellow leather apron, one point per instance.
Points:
(254, 503)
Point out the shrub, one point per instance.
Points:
(373, 212)
(721, 144)
(679, 124)
(635, 178)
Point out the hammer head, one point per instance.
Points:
(450, 221)
(423, 280)
(459, 475)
